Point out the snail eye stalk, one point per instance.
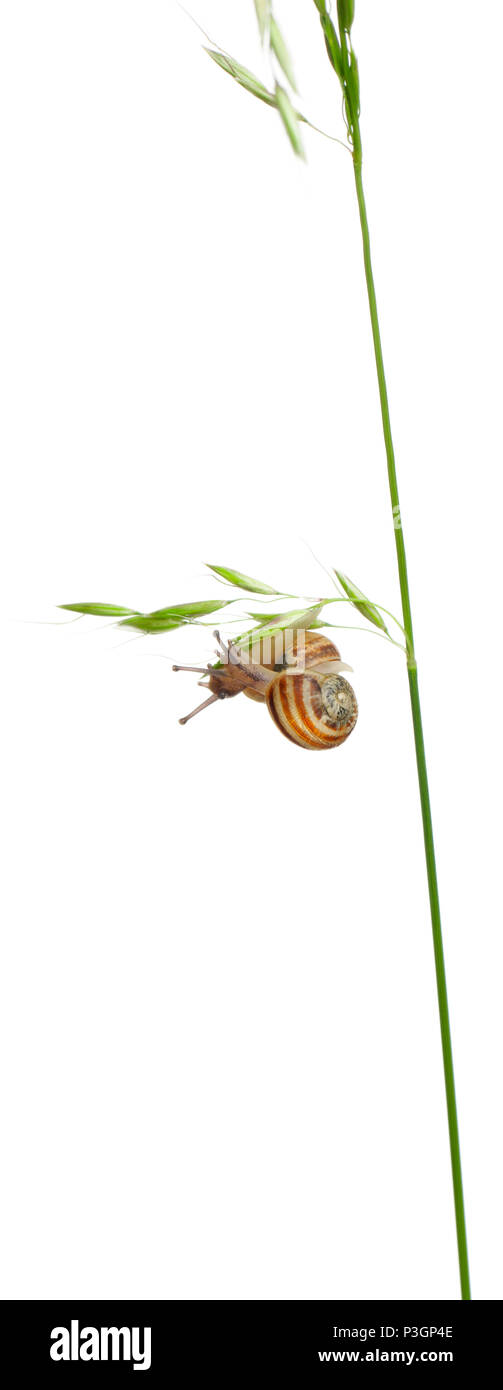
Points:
(210, 701)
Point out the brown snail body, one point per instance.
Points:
(298, 679)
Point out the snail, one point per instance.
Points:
(306, 695)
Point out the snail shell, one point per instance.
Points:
(311, 709)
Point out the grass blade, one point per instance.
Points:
(280, 51)
(291, 622)
(263, 13)
(146, 622)
(332, 45)
(290, 120)
(365, 607)
(99, 610)
(164, 619)
(242, 581)
(346, 14)
(242, 75)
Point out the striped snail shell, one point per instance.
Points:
(313, 709)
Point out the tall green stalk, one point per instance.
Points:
(443, 1007)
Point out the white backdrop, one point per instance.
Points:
(221, 1068)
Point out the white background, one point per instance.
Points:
(221, 1069)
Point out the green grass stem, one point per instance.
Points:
(422, 773)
